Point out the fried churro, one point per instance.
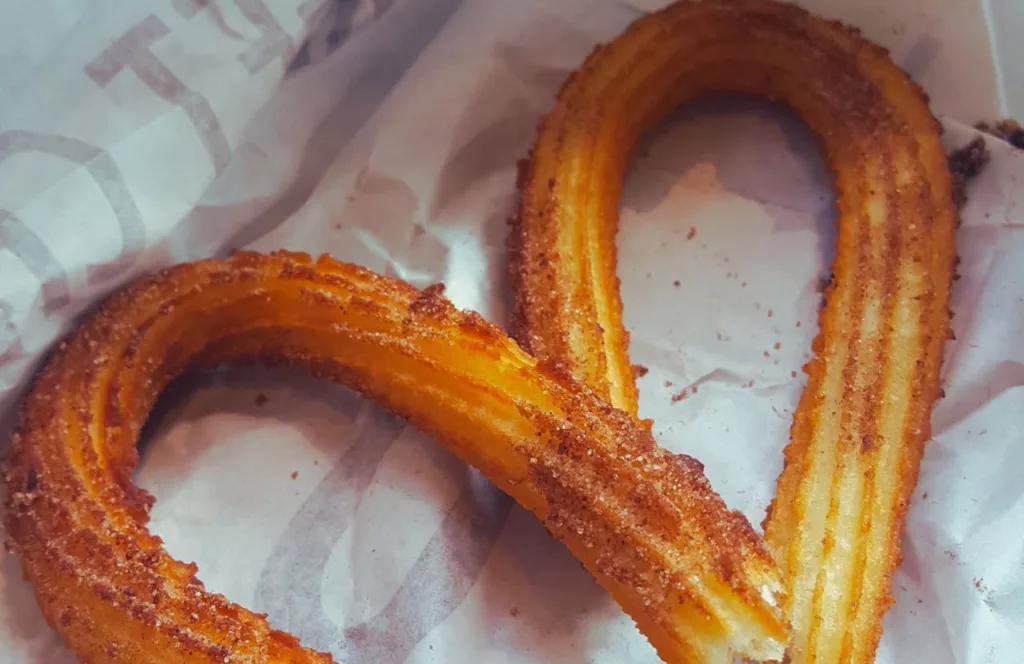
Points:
(859, 431)
(645, 522)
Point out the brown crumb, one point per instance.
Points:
(924, 496)
(676, 283)
(743, 285)
(261, 399)
(692, 234)
(668, 383)
(792, 374)
(778, 345)
(1007, 130)
(798, 323)
(679, 396)
(513, 612)
(965, 163)
(639, 371)
(765, 353)
(770, 313)
(295, 474)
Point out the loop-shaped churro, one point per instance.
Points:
(862, 422)
(644, 521)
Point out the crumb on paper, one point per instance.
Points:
(261, 399)
(778, 345)
(964, 164)
(798, 323)
(676, 283)
(979, 585)
(513, 612)
(295, 474)
(792, 374)
(692, 234)
(680, 395)
(639, 371)
(668, 383)
(771, 313)
(1008, 130)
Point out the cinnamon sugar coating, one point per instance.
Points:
(858, 434)
(645, 522)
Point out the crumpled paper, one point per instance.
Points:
(385, 132)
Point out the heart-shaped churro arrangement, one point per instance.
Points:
(552, 422)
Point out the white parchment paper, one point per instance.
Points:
(385, 132)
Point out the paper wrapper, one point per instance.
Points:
(155, 132)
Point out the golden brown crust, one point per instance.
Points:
(645, 522)
(858, 434)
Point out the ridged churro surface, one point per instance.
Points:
(858, 434)
(644, 521)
